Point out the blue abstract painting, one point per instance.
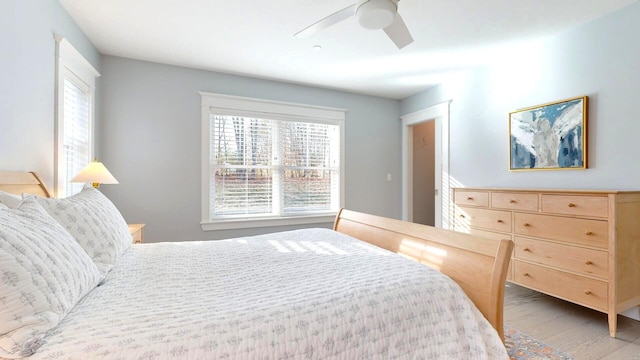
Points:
(549, 136)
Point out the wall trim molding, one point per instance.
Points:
(440, 114)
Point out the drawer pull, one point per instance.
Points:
(588, 233)
(470, 198)
(500, 221)
(588, 262)
(512, 201)
(572, 205)
(526, 249)
(588, 292)
(526, 224)
(525, 274)
(462, 216)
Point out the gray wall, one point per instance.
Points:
(27, 76)
(150, 141)
(599, 59)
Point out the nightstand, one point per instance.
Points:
(136, 233)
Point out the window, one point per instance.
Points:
(269, 163)
(74, 116)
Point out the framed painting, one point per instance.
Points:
(551, 136)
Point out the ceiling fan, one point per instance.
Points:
(371, 14)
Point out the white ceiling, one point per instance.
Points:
(255, 37)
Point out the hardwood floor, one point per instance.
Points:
(577, 331)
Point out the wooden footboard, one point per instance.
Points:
(477, 264)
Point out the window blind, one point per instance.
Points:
(76, 133)
(273, 167)
(75, 88)
(311, 166)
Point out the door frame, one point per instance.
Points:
(440, 114)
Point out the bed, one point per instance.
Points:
(303, 294)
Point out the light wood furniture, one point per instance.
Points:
(18, 182)
(580, 246)
(137, 233)
(478, 265)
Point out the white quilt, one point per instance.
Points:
(306, 294)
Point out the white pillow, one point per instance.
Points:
(93, 220)
(12, 201)
(43, 274)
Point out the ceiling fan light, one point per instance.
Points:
(376, 14)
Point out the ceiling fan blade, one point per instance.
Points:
(398, 32)
(328, 21)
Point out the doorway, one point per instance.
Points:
(424, 184)
(439, 115)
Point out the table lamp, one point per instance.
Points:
(95, 173)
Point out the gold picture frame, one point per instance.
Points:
(551, 136)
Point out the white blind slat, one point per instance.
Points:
(251, 156)
(75, 86)
(76, 141)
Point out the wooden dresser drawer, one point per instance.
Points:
(571, 230)
(137, 231)
(471, 198)
(483, 218)
(566, 257)
(137, 237)
(579, 289)
(581, 205)
(514, 201)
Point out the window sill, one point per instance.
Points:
(243, 223)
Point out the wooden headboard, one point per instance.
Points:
(18, 182)
(477, 264)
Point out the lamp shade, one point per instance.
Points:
(95, 173)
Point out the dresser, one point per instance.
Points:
(580, 246)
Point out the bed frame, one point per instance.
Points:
(18, 182)
(478, 265)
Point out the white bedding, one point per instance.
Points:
(306, 294)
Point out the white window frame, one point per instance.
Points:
(221, 104)
(72, 66)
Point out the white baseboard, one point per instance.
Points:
(633, 313)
